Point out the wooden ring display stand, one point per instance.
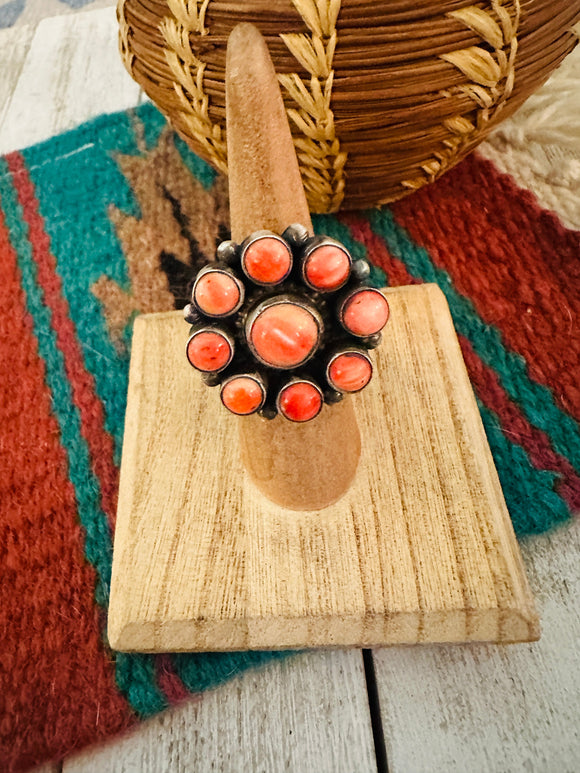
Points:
(308, 545)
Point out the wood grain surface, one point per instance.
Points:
(420, 549)
(307, 713)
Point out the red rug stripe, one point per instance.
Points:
(518, 429)
(169, 682)
(99, 441)
(515, 261)
(52, 650)
(485, 381)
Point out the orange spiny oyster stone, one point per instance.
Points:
(267, 260)
(242, 395)
(349, 372)
(216, 293)
(209, 351)
(283, 335)
(327, 268)
(365, 312)
(300, 401)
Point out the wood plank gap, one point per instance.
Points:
(375, 712)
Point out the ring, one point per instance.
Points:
(283, 323)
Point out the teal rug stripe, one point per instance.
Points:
(535, 400)
(203, 672)
(135, 676)
(87, 247)
(533, 504)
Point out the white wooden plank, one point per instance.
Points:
(14, 46)
(72, 72)
(35, 10)
(484, 708)
(307, 713)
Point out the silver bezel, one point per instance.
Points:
(240, 285)
(211, 329)
(315, 245)
(348, 350)
(255, 238)
(290, 383)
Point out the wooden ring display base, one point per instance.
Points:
(420, 549)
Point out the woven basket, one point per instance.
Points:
(383, 95)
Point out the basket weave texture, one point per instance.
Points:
(383, 96)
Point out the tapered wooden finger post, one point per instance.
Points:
(300, 466)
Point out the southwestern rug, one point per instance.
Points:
(109, 221)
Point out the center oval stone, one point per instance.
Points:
(284, 334)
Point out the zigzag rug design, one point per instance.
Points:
(109, 221)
